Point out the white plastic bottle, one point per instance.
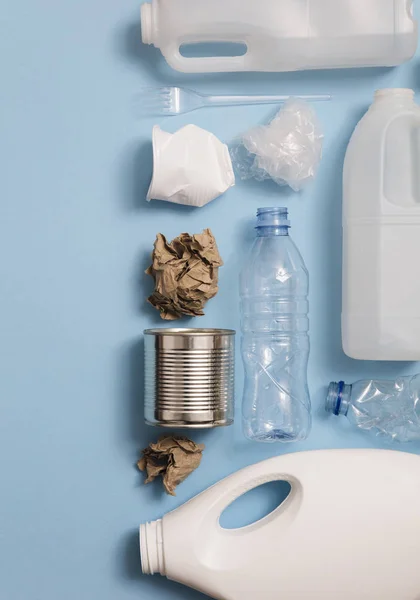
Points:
(282, 35)
(381, 220)
(349, 529)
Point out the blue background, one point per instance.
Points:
(75, 238)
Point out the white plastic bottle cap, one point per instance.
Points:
(395, 93)
(151, 548)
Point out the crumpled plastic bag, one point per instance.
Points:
(172, 458)
(186, 273)
(288, 150)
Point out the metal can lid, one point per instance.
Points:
(189, 331)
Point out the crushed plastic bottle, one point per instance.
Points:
(275, 340)
(387, 408)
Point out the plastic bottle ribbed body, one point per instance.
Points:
(275, 340)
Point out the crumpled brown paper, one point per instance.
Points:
(186, 273)
(172, 457)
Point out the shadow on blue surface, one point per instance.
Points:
(139, 174)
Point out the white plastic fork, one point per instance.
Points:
(170, 101)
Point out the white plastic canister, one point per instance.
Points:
(282, 35)
(381, 220)
(349, 529)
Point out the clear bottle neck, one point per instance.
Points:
(272, 231)
(272, 222)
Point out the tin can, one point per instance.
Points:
(189, 377)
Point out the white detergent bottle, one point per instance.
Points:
(349, 530)
(381, 221)
(282, 35)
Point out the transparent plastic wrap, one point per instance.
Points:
(389, 409)
(288, 150)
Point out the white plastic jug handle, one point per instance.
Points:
(248, 479)
(206, 64)
(382, 167)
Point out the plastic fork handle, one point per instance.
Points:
(207, 64)
(248, 100)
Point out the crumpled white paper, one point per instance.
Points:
(288, 150)
(191, 166)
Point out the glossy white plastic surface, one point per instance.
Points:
(349, 529)
(282, 35)
(381, 220)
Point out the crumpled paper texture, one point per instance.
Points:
(186, 274)
(173, 458)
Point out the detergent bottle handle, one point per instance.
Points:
(233, 487)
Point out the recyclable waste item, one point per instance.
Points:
(280, 35)
(173, 458)
(389, 409)
(275, 341)
(355, 511)
(169, 101)
(191, 166)
(186, 274)
(288, 150)
(381, 221)
(189, 377)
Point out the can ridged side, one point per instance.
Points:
(189, 377)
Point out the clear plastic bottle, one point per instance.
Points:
(275, 340)
(387, 408)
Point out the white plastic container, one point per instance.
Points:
(283, 35)
(349, 529)
(381, 218)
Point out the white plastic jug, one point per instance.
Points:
(283, 35)
(349, 530)
(381, 286)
